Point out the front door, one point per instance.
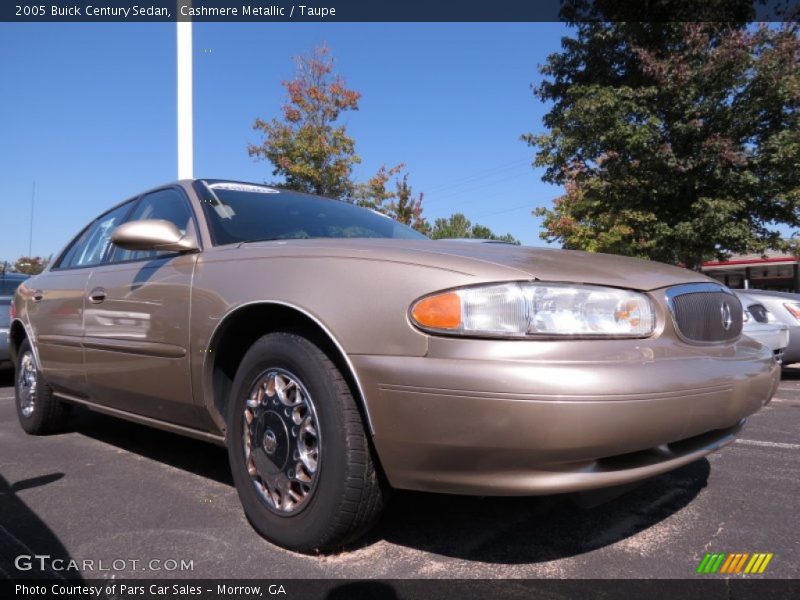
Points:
(136, 322)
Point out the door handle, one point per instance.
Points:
(38, 295)
(97, 295)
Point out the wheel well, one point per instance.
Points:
(241, 330)
(16, 336)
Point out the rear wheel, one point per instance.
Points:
(299, 455)
(39, 412)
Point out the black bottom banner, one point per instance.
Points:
(401, 589)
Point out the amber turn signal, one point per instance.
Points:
(629, 311)
(442, 311)
(793, 308)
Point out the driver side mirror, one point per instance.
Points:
(152, 234)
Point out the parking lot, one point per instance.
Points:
(109, 490)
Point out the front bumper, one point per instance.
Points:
(792, 352)
(517, 425)
(773, 336)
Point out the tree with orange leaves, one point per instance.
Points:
(307, 147)
(314, 154)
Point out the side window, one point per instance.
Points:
(169, 205)
(91, 247)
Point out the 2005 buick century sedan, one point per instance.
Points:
(340, 354)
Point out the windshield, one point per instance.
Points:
(244, 212)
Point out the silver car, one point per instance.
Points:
(761, 325)
(785, 308)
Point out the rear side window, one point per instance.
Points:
(169, 205)
(93, 244)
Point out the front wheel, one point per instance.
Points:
(299, 455)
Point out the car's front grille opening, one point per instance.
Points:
(707, 316)
(759, 313)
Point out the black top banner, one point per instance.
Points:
(397, 11)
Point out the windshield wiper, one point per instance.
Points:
(269, 239)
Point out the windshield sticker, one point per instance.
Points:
(224, 211)
(243, 187)
(380, 214)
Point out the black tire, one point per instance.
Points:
(347, 495)
(47, 413)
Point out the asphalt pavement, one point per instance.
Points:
(120, 496)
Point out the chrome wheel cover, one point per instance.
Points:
(26, 383)
(281, 441)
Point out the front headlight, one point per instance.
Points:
(527, 310)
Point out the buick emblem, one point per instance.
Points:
(725, 313)
(270, 442)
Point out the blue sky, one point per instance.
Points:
(87, 111)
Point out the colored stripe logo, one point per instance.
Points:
(740, 562)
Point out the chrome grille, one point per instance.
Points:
(702, 311)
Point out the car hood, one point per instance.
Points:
(503, 261)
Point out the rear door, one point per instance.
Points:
(136, 321)
(55, 308)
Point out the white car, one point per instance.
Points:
(759, 326)
(783, 308)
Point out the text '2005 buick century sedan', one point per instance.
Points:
(339, 354)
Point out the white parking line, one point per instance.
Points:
(784, 400)
(782, 445)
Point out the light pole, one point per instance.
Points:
(185, 139)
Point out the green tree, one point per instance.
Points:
(678, 142)
(457, 226)
(307, 147)
(30, 265)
